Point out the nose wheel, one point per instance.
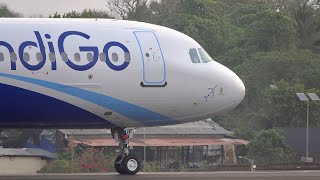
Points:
(125, 163)
(128, 164)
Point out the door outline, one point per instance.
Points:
(144, 82)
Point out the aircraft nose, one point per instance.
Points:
(240, 89)
(236, 89)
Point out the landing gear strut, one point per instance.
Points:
(125, 163)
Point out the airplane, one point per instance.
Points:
(106, 73)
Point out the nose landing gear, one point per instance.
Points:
(125, 163)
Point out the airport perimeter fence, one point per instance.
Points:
(163, 159)
(204, 159)
(181, 158)
(292, 157)
(217, 158)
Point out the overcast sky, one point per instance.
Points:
(46, 7)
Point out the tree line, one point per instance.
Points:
(273, 45)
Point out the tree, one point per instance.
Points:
(128, 9)
(268, 146)
(244, 133)
(161, 11)
(207, 32)
(285, 110)
(264, 69)
(310, 33)
(205, 21)
(87, 13)
(6, 12)
(307, 16)
(56, 15)
(205, 8)
(270, 31)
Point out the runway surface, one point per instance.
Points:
(272, 175)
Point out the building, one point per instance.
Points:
(23, 161)
(46, 139)
(190, 145)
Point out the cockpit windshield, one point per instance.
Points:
(194, 55)
(205, 57)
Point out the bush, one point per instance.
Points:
(268, 146)
(85, 160)
(57, 166)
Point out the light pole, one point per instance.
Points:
(144, 150)
(304, 98)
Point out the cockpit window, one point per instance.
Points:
(204, 56)
(194, 56)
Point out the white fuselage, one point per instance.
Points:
(117, 74)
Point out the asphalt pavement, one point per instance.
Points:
(271, 175)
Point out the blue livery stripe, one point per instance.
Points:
(17, 111)
(134, 112)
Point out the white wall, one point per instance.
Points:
(21, 165)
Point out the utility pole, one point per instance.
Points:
(144, 149)
(307, 135)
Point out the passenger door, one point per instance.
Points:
(154, 68)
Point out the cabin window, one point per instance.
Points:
(194, 55)
(90, 57)
(103, 57)
(52, 57)
(1, 57)
(39, 57)
(13, 57)
(205, 57)
(26, 56)
(64, 57)
(77, 57)
(115, 57)
(127, 57)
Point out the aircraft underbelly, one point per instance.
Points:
(23, 108)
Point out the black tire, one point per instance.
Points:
(117, 165)
(130, 165)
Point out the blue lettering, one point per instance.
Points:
(61, 40)
(51, 49)
(10, 48)
(94, 50)
(42, 50)
(108, 62)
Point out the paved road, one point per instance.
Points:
(275, 175)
